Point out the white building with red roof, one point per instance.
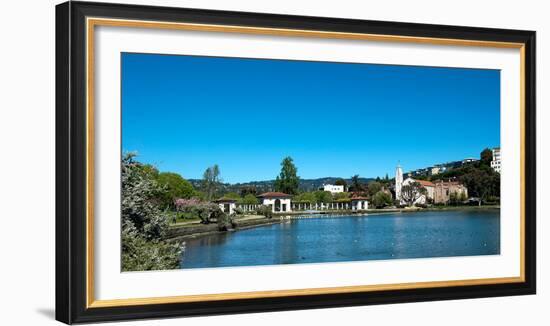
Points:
(279, 201)
(359, 203)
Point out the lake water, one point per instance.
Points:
(351, 238)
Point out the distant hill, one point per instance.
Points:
(268, 185)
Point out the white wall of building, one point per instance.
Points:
(231, 207)
(359, 205)
(285, 204)
(495, 163)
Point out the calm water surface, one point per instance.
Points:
(351, 238)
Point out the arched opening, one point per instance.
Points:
(277, 205)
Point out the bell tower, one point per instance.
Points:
(398, 181)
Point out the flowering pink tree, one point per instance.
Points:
(181, 203)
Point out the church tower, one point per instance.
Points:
(398, 182)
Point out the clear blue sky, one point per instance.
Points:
(185, 113)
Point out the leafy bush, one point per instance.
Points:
(381, 199)
(175, 187)
(144, 223)
(138, 254)
(207, 212)
(265, 211)
(225, 222)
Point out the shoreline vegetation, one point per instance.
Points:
(162, 209)
(194, 229)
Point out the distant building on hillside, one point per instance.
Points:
(469, 160)
(437, 169)
(278, 201)
(495, 163)
(332, 188)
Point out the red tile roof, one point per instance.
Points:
(426, 183)
(274, 194)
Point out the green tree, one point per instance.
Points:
(381, 199)
(306, 197)
(356, 183)
(249, 199)
(374, 187)
(482, 183)
(323, 196)
(211, 181)
(341, 196)
(486, 156)
(175, 187)
(144, 222)
(287, 181)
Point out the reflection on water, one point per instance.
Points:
(352, 238)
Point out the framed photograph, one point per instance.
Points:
(213, 162)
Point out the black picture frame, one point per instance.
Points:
(71, 158)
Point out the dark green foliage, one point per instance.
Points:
(287, 181)
(249, 199)
(486, 156)
(482, 183)
(144, 223)
(381, 199)
(356, 184)
(374, 187)
(323, 196)
(308, 197)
